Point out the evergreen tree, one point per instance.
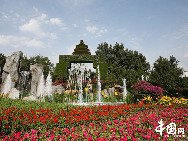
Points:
(123, 63)
(47, 65)
(166, 73)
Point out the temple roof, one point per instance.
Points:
(81, 49)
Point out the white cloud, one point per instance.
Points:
(53, 36)
(74, 25)
(75, 3)
(186, 55)
(37, 25)
(86, 20)
(35, 9)
(11, 16)
(14, 41)
(91, 29)
(42, 17)
(181, 33)
(103, 30)
(96, 31)
(33, 27)
(33, 43)
(58, 22)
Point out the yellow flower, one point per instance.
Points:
(170, 104)
(102, 93)
(74, 91)
(67, 91)
(116, 93)
(105, 95)
(86, 89)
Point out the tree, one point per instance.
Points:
(166, 73)
(123, 63)
(47, 65)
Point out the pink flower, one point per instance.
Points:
(90, 139)
(85, 134)
(52, 136)
(138, 129)
(17, 135)
(96, 134)
(116, 121)
(54, 129)
(58, 136)
(47, 134)
(33, 131)
(5, 138)
(124, 139)
(26, 135)
(91, 124)
(73, 129)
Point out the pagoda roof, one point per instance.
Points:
(81, 49)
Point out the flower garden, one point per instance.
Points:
(51, 121)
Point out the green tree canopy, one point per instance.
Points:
(47, 65)
(166, 73)
(123, 63)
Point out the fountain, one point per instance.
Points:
(98, 85)
(80, 91)
(142, 77)
(81, 74)
(48, 86)
(41, 88)
(124, 90)
(7, 86)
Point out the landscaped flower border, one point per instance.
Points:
(125, 122)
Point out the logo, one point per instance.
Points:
(170, 128)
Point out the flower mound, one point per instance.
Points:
(145, 87)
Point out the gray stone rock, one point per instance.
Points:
(106, 92)
(12, 66)
(36, 72)
(111, 92)
(14, 93)
(25, 80)
(30, 98)
(58, 89)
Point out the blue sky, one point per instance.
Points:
(54, 27)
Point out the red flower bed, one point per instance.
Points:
(125, 122)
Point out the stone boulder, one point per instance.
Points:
(25, 80)
(58, 89)
(30, 98)
(106, 92)
(14, 93)
(111, 92)
(36, 72)
(12, 66)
